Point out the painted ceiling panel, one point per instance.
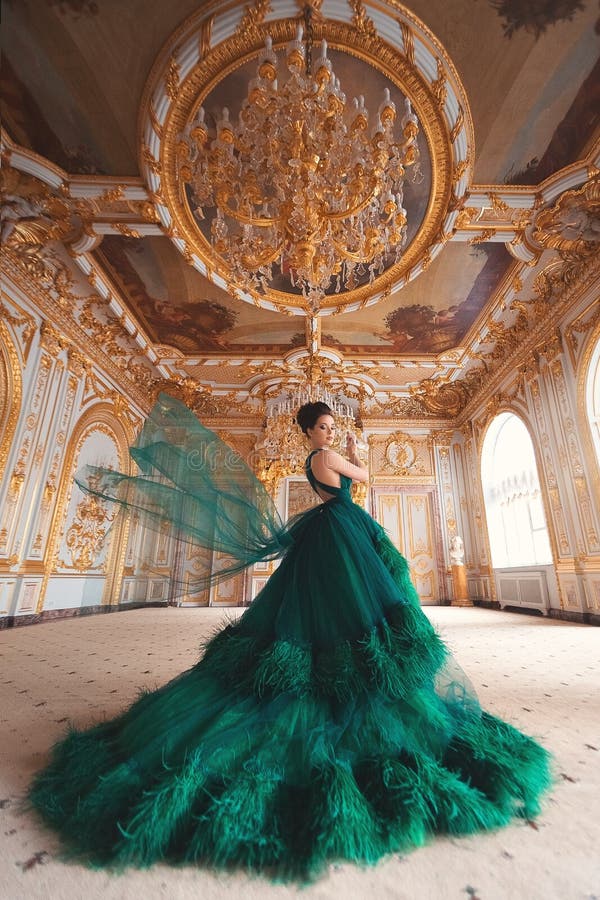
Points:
(180, 308)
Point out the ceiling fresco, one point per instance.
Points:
(433, 313)
(75, 75)
(181, 309)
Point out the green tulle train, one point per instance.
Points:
(330, 722)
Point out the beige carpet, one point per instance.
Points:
(543, 676)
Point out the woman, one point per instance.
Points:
(328, 722)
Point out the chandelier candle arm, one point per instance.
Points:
(299, 182)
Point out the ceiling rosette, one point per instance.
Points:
(208, 62)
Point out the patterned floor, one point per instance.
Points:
(541, 675)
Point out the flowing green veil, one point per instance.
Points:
(195, 489)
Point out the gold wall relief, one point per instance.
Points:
(584, 374)
(11, 388)
(578, 330)
(85, 536)
(400, 455)
(299, 497)
(574, 460)
(570, 226)
(446, 399)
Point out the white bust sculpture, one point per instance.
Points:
(457, 551)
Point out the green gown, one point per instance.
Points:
(329, 722)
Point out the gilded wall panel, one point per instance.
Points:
(558, 524)
(409, 516)
(18, 491)
(11, 389)
(588, 541)
(400, 456)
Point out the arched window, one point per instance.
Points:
(592, 398)
(513, 503)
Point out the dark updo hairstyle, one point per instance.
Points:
(307, 415)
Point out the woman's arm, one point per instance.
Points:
(352, 453)
(334, 462)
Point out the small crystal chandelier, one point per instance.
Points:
(300, 183)
(283, 449)
(283, 438)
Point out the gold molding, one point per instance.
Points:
(403, 479)
(583, 373)
(11, 390)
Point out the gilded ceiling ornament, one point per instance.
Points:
(361, 21)
(465, 217)
(126, 230)
(572, 224)
(158, 129)
(78, 363)
(550, 348)
(408, 41)
(33, 216)
(52, 340)
(111, 195)
(299, 183)
(498, 205)
(150, 161)
(439, 86)
(173, 75)
(486, 234)
(458, 125)
(522, 219)
(441, 399)
(583, 324)
(517, 284)
(389, 405)
(426, 260)
(460, 168)
(14, 319)
(205, 36)
(254, 16)
(73, 316)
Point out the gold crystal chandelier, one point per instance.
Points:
(303, 189)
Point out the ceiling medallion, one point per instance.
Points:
(307, 258)
(301, 184)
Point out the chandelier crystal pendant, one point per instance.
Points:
(303, 189)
